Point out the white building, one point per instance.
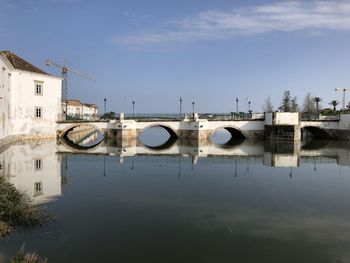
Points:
(77, 109)
(30, 99)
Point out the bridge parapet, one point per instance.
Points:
(184, 129)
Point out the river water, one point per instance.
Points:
(248, 202)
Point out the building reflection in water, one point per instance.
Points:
(33, 168)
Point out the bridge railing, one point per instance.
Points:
(189, 116)
(319, 117)
(162, 116)
(232, 116)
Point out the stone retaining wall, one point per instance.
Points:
(282, 132)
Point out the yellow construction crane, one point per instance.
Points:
(65, 70)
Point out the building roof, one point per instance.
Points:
(91, 105)
(78, 103)
(74, 103)
(21, 64)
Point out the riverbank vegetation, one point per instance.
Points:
(27, 257)
(311, 104)
(15, 209)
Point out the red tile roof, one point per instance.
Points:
(78, 103)
(74, 103)
(21, 64)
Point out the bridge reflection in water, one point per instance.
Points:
(38, 168)
(130, 194)
(275, 154)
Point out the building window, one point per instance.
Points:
(38, 88)
(9, 81)
(38, 112)
(2, 77)
(38, 164)
(38, 188)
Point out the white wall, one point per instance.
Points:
(73, 110)
(344, 122)
(287, 118)
(85, 112)
(23, 101)
(5, 86)
(89, 112)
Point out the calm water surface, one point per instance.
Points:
(205, 203)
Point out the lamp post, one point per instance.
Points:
(192, 106)
(105, 105)
(249, 106)
(180, 100)
(237, 104)
(133, 108)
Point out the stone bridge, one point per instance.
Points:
(185, 129)
(278, 126)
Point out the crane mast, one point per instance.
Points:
(65, 71)
(344, 91)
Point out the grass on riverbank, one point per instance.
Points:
(29, 257)
(15, 209)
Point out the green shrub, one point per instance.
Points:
(15, 209)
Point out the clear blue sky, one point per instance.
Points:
(207, 51)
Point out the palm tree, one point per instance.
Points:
(334, 103)
(317, 100)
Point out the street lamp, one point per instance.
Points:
(237, 104)
(133, 108)
(249, 106)
(180, 100)
(192, 106)
(105, 104)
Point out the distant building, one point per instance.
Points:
(79, 110)
(30, 99)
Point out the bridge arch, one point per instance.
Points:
(237, 135)
(168, 128)
(69, 128)
(162, 145)
(315, 132)
(63, 136)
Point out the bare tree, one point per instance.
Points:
(309, 103)
(268, 106)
